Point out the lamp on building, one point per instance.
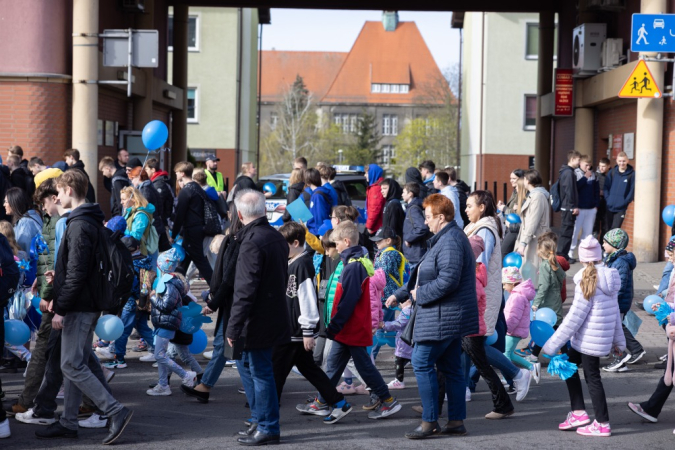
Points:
(340, 156)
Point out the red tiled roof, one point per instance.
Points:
(280, 68)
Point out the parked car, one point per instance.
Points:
(352, 177)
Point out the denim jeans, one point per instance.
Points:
(257, 376)
(165, 365)
(389, 315)
(215, 367)
(131, 319)
(76, 339)
(446, 356)
(665, 278)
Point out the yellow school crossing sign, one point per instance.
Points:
(640, 83)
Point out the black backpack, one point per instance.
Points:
(9, 272)
(115, 267)
(462, 205)
(212, 225)
(556, 202)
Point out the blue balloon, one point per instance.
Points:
(109, 327)
(546, 315)
(155, 134)
(34, 301)
(270, 187)
(531, 312)
(668, 215)
(192, 309)
(199, 341)
(16, 332)
(541, 332)
(492, 338)
(513, 218)
(650, 301)
(512, 260)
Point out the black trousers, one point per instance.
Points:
(400, 367)
(566, 232)
(3, 414)
(615, 219)
(292, 354)
(475, 348)
(193, 243)
(601, 219)
(632, 345)
(654, 405)
(591, 366)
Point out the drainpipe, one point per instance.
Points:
(240, 26)
(542, 150)
(479, 177)
(459, 102)
(180, 80)
(257, 164)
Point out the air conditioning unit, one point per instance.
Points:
(612, 50)
(133, 6)
(588, 39)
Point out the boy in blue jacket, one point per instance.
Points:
(614, 243)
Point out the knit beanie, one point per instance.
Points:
(511, 275)
(617, 238)
(590, 250)
(670, 246)
(477, 245)
(117, 223)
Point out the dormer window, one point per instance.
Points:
(386, 88)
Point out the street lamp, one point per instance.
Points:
(340, 156)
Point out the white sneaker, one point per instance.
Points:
(522, 384)
(155, 365)
(104, 353)
(30, 417)
(231, 363)
(62, 392)
(159, 391)
(150, 357)
(190, 379)
(395, 384)
(94, 421)
(4, 429)
(467, 396)
(208, 355)
(536, 372)
(656, 287)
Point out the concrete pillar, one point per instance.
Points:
(143, 105)
(85, 89)
(583, 132)
(648, 148)
(542, 150)
(180, 79)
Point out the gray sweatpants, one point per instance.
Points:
(76, 339)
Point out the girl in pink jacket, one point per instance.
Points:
(517, 313)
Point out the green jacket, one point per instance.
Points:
(46, 259)
(548, 291)
(330, 292)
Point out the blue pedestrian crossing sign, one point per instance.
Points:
(653, 33)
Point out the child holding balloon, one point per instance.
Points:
(593, 326)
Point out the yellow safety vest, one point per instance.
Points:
(219, 185)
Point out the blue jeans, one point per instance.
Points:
(665, 278)
(257, 376)
(389, 315)
(446, 355)
(132, 319)
(165, 365)
(215, 367)
(337, 362)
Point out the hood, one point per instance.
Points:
(565, 167)
(338, 185)
(629, 171)
(375, 172)
(430, 180)
(463, 186)
(5, 170)
(563, 262)
(629, 258)
(91, 211)
(122, 172)
(481, 274)
(211, 193)
(352, 252)
(609, 280)
(323, 188)
(542, 191)
(412, 175)
(34, 215)
(77, 165)
(417, 201)
(395, 190)
(526, 289)
(150, 209)
(159, 173)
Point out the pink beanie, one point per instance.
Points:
(477, 245)
(590, 250)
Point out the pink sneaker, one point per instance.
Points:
(595, 429)
(361, 390)
(346, 389)
(574, 421)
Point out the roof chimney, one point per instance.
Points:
(390, 20)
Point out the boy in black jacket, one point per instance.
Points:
(304, 315)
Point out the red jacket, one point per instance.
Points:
(374, 206)
(481, 282)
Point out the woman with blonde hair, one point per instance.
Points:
(296, 186)
(139, 216)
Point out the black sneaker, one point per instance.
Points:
(56, 431)
(116, 424)
(338, 413)
(511, 390)
(661, 365)
(619, 361)
(373, 404)
(637, 357)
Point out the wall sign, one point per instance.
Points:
(629, 145)
(564, 93)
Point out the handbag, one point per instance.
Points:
(407, 333)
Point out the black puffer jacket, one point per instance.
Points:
(23, 179)
(222, 281)
(75, 285)
(189, 210)
(165, 313)
(393, 215)
(162, 183)
(259, 315)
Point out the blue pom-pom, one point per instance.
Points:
(561, 367)
(662, 313)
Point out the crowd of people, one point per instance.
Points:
(318, 297)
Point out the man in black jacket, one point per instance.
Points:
(189, 222)
(76, 313)
(118, 181)
(569, 201)
(72, 158)
(259, 317)
(162, 182)
(20, 176)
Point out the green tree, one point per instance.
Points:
(364, 149)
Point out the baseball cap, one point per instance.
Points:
(383, 233)
(212, 158)
(134, 162)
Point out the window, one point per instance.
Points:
(530, 119)
(394, 125)
(375, 88)
(274, 120)
(192, 106)
(388, 154)
(532, 41)
(352, 123)
(389, 125)
(394, 88)
(193, 35)
(386, 88)
(348, 122)
(404, 88)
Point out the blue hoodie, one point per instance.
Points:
(375, 172)
(333, 194)
(211, 193)
(320, 207)
(625, 263)
(619, 188)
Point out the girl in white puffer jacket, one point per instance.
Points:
(593, 325)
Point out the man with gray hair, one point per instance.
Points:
(259, 318)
